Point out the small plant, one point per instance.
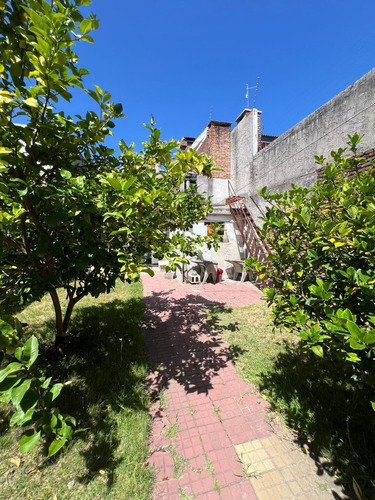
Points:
(183, 495)
(172, 430)
(211, 470)
(29, 391)
(217, 411)
(247, 471)
(163, 400)
(180, 463)
(192, 411)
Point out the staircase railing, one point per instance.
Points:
(245, 223)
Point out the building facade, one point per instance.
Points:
(247, 160)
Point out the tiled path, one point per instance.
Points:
(212, 437)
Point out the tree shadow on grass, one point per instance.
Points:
(337, 419)
(181, 344)
(105, 362)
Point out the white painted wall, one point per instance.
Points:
(290, 158)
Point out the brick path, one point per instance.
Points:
(212, 437)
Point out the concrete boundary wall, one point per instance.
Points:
(290, 158)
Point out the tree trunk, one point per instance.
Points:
(62, 325)
(68, 313)
(58, 314)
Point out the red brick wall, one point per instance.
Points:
(218, 144)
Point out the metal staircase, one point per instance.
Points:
(250, 234)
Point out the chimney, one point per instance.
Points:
(186, 143)
(218, 144)
(256, 128)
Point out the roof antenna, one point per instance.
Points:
(256, 91)
(256, 87)
(210, 118)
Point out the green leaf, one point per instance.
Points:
(53, 421)
(11, 368)
(356, 345)
(115, 183)
(353, 329)
(306, 215)
(18, 327)
(70, 419)
(19, 392)
(149, 271)
(318, 350)
(352, 357)
(5, 328)
(128, 184)
(5, 151)
(357, 489)
(118, 108)
(98, 90)
(55, 446)
(67, 431)
(312, 253)
(7, 385)
(55, 390)
(33, 103)
(22, 192)
(65, 174)
(19, 416)
(87, 38)
(85, 26)
(46, 383)
(30, 351)
(29, 440)
(369, 337)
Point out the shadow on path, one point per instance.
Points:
(179, 342)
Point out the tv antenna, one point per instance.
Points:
(256, 87)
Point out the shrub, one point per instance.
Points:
(29, 391)
(321, 271)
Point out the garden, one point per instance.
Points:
(76, 219)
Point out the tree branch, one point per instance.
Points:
(33, 215)
(12, 243)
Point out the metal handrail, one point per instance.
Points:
(245, 223)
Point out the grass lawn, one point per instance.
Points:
(104, 368)
(307, 391)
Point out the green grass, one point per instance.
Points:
(184, 496)
(179, 462)
(172, 430)
(217, 411)
(308, 392)
(105, 367)
(211, 470)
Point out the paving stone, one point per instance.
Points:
(197, 482)
(281, 492)
(224, 437)
(239, 430)
(166, 490)
(239, 491)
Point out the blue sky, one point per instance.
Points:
(185, 62)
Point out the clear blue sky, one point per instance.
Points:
(186, 61)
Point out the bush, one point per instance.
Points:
(29, 391)
(321, 270)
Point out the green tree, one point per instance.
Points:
(321, 270)
(73, 214)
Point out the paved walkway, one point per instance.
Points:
(212, 437)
